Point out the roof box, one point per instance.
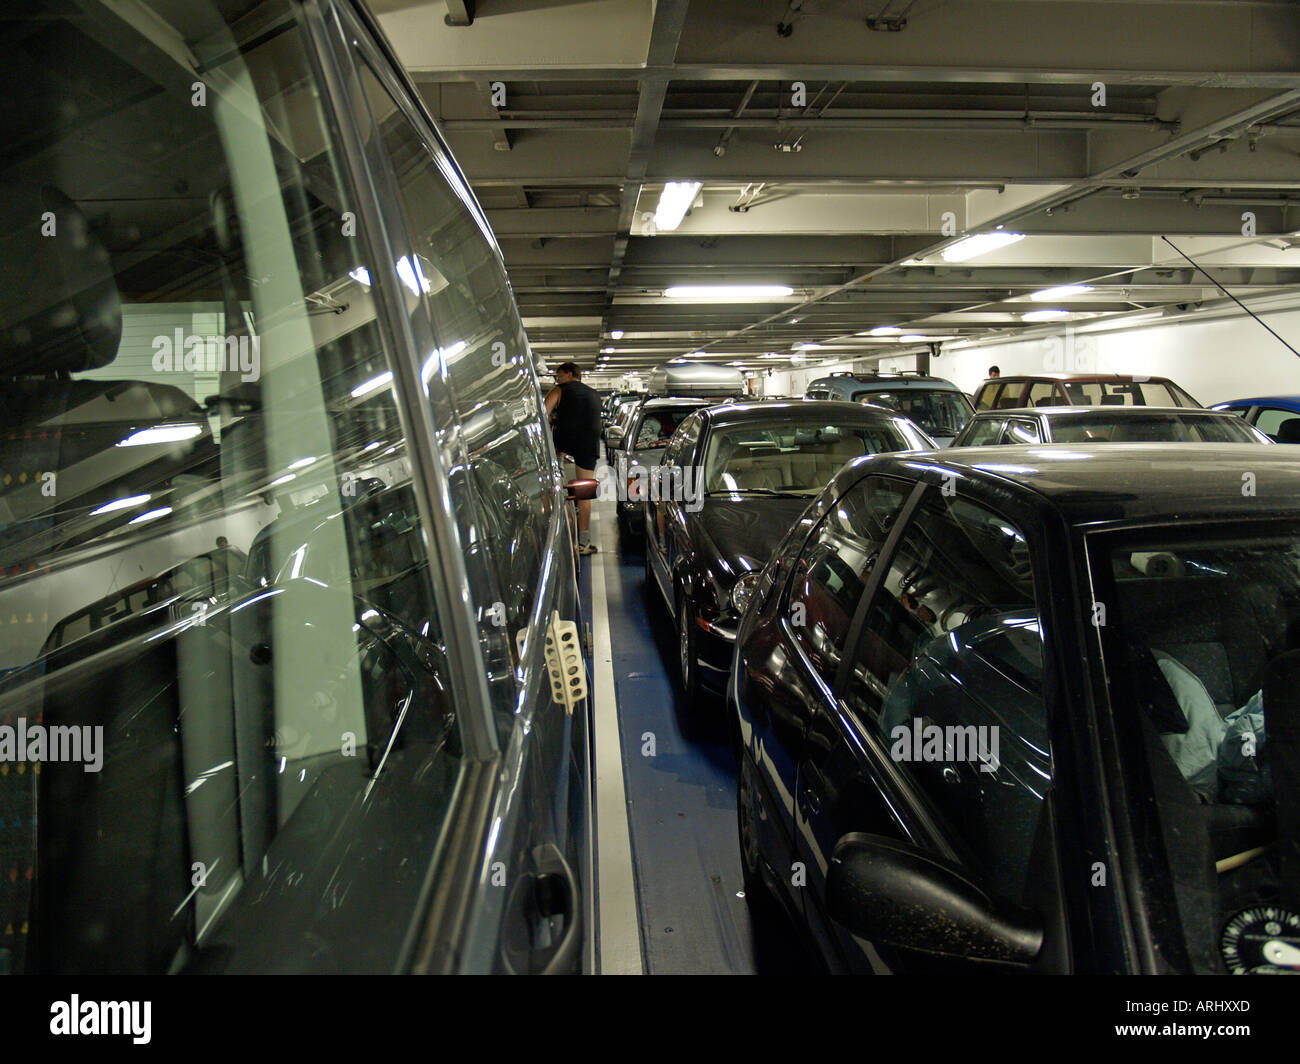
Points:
(696, 379)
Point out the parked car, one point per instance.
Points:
(638, 447)
(938, 406)
(217, 339)
(1114, 424)
(1277, 416)
(619, 414)
(731, 481)
(700, 380)
(1004, 709)
(611, 403)
(1017, 392)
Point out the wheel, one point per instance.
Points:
(756, 894)
(688, 668)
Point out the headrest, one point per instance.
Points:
(60, 311)
(1289, 431)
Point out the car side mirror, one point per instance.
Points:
(614, 436)
(895, 895)
(582, 489)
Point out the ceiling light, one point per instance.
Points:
(606, 350)
(372, 385)
(282, 480)
(161, 434)
(1063, 291)
(676, 361)
(728, 293)
(674, 201)
(301, 463)
(979, 244)
(1044, 315)
(699, 354)
(120, 504)
(616, 334)
(885, 330)
(151, 515)
(912, 338)
(807, 347)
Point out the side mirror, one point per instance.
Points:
(895, 895)
(582, 489)
(614, 436)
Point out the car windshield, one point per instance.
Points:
(938, 411)
(1204, 642)
(1155, 427)
(658, 424)
(1127, 393)
(789, 456)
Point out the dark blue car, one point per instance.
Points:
(1277, 416)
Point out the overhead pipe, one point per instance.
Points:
(720, 149)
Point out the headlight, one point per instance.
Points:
(743, 591)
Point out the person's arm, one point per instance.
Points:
(552, 400)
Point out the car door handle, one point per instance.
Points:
(558, 894)
(812, 803)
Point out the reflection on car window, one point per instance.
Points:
(948, 673)
(212, 572)
(831, 574)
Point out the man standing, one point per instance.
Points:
(576, 410)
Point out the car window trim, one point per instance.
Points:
(335, 52)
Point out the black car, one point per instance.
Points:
(731, 482)
(1107, 424)
(1012, 709)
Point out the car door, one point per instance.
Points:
(530, 832)
(950, 641)
(1021, 430)
(666, 515)
(826, 587)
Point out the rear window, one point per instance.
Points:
(939, 411)
(1127, 393)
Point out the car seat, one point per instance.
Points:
(1289, 431)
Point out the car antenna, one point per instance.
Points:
(1231, 296)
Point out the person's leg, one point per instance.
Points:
(584, 512)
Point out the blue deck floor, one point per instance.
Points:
(681, 800)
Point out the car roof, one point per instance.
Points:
(1120, 482)
(1292, 400)
(1079, 378)
(782, 409)
(1085, 411)
(891, 380)
(668, 400)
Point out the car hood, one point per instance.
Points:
(743, 533)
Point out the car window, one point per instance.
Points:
(1022, 430)
(986, 398)
(1199, 649)
(1270, 419)
(831, 572)
(789, 456)
(261, 767)
(948, 675)
(939, 411)
(985, 430)
(657, 425)
(1041, 393)
(684, 439)
(483, 352)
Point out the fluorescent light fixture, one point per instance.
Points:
(807, 347)
(979, 244)
(606, 350)
(370, 446)
(361, 275)
(674, 201)
(911, 338)
(161, 434)
(150, 515)
(283, 480)
(302, 463)
(885, 330)
(373, 385)
(121, 504)
(1063, 291)
(735, 363)
(699, 354)
(673, 361)
(1044, 315)
(797, 360)
(728, 293)
(616, 334)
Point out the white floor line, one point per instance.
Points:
(620, 928)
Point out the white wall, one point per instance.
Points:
(1215, 356)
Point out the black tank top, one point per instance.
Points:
(577, 419)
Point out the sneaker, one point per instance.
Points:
(587, 548)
